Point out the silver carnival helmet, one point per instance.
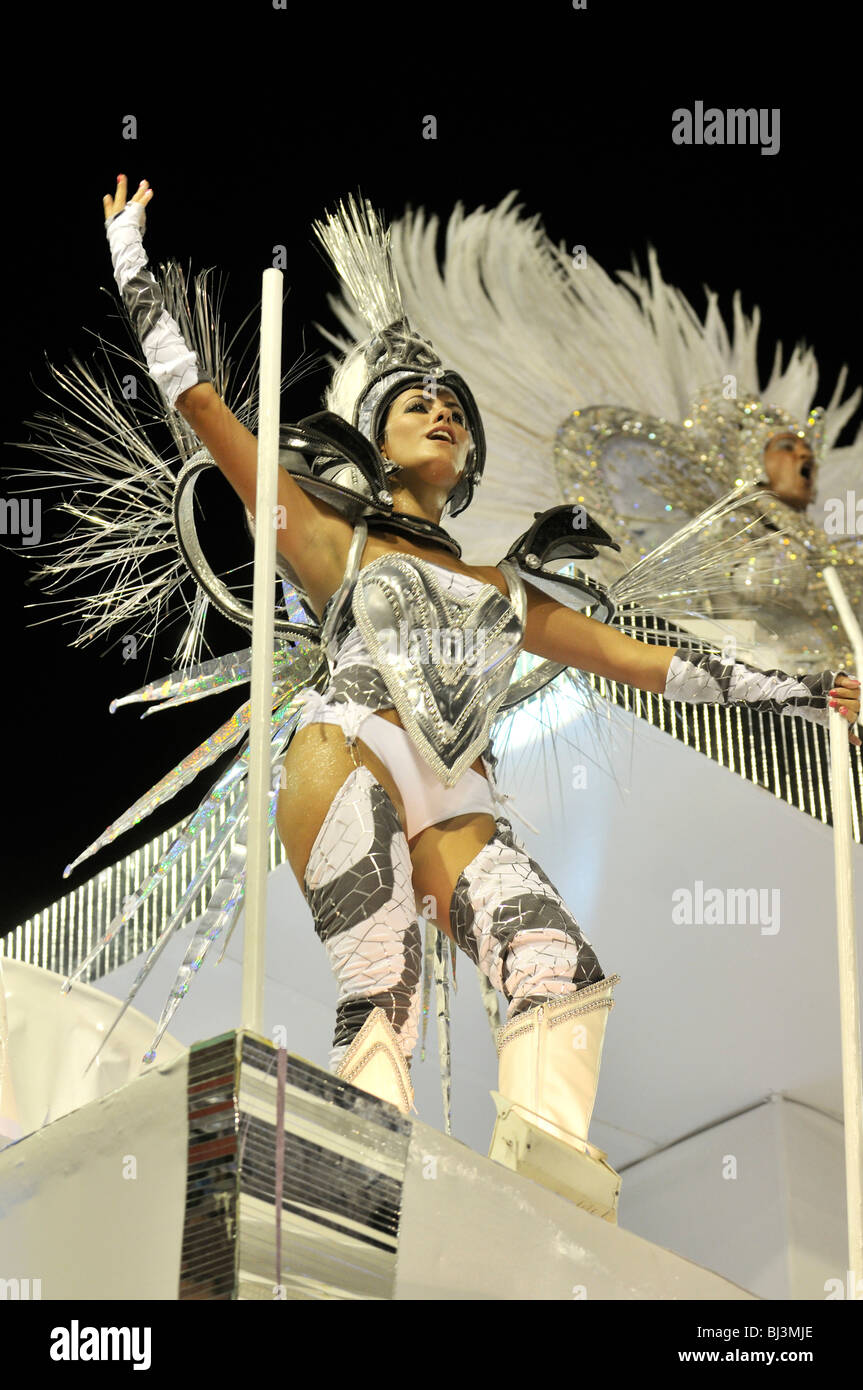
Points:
(399, 358)
(391, 355)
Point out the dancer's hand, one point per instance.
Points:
(845, 698)
(118, 202)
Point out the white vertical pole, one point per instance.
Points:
(849, 1004)
(9, 1125)
(257, 857)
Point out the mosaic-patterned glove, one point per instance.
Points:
(172, 363)
(700, 678)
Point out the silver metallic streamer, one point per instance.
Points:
(213, 855)
(205, 678)
(444, 1047)
(359, 248)
(429, 940)
(490, 1001)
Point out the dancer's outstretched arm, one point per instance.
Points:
(314, 538)
(560, 634)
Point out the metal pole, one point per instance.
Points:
(257, 857)
(849, 1004)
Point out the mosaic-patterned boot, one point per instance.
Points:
(359, 888)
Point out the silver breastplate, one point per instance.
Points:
(446, 658)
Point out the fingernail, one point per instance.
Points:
(120, 176)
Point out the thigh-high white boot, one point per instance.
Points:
(511, 920)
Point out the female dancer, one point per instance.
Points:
(387, 800)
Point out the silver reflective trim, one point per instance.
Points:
(352, 565)
(190, 546)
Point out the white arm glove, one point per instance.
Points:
(172, 363)
(701, 678)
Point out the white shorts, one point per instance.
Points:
(426, 800)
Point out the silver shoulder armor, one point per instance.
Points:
(564, 534)
(330, 459)
(561, 533)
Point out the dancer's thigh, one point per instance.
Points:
(316, 766)
(439, 855)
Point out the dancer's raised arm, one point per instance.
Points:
(314, 539)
